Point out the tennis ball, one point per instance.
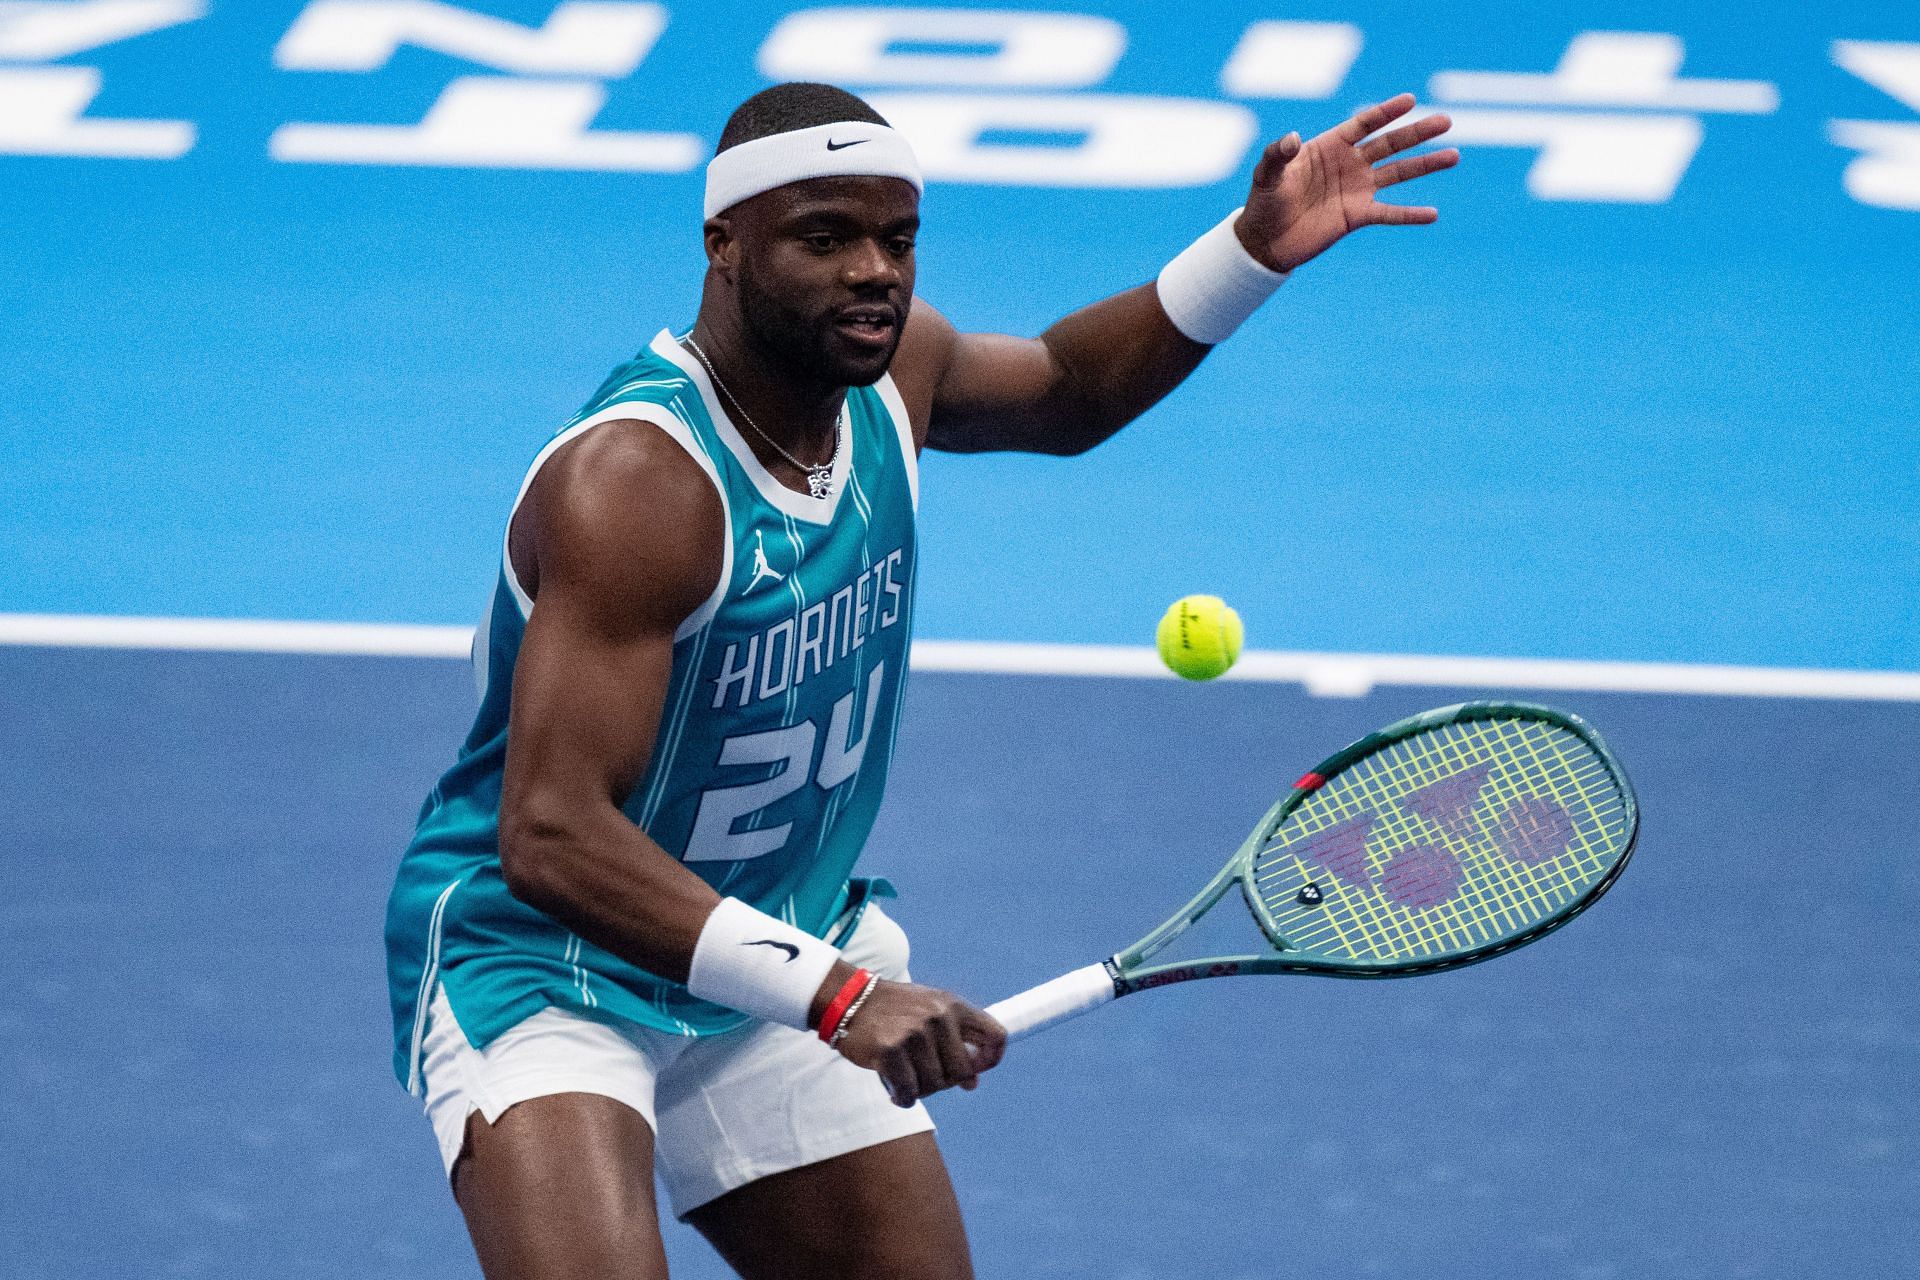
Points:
(1199, 637)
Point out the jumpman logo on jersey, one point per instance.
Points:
(761, 569)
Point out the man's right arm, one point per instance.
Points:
(620, 540)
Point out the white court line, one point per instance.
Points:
(1356, 674)
(1325, 674)
(234, 635)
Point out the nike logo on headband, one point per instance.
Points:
(842, 146)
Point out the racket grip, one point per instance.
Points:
(1067, 996)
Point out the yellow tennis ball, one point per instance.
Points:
(1199, 637)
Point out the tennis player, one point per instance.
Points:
(626, 935)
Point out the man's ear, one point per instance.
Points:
(723, 251)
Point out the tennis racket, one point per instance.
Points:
(1448, 838)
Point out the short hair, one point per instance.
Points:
(798, 104)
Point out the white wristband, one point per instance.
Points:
(749, 961)
(1214, 284)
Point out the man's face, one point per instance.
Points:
(823, 271)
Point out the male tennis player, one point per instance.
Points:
(624, 934)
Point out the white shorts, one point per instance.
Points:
(725, 1110)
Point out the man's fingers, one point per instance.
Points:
(1278, 153)
(1377, 116)
(1425, 129)
(896, 1071)
(956, 1063)
(929, 1076)
(1402, 215)
(986, 1039)
(1414, 167)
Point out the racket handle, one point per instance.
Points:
(1067, 996)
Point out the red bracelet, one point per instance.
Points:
(837, 1007)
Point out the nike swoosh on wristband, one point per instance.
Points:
(842, 146)
(793, 952)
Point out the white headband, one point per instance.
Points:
(853, 148)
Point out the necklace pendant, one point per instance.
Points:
(819, 481)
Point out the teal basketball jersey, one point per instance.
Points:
(773, 745)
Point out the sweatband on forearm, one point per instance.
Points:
(748, 960)
(1214, 284)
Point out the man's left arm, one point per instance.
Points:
(1104, 365)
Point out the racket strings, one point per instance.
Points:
(1448, 841)
(1491, 904)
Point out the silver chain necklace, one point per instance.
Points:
(820, 477)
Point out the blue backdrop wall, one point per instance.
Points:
(1645, 392)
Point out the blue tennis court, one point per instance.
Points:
(1710, 1075)
(281, 326)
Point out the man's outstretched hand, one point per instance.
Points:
(1307, 196)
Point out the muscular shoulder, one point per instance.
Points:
(626, 516)
(926, 348)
